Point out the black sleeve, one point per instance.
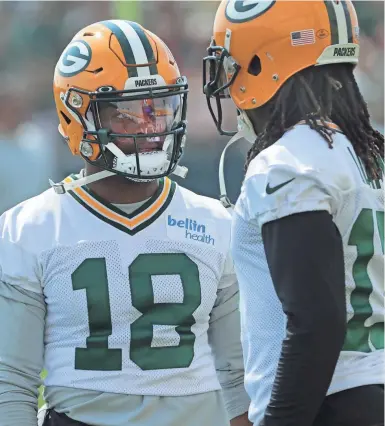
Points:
(305, 257)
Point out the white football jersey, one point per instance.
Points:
(301, 173)
(128, 296)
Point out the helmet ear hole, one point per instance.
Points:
(255, 66)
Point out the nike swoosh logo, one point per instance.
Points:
(272, 189)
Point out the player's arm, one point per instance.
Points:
(305, 257)
(224, 338)
(22, 318)
(22, 314)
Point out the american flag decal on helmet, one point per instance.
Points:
(299, 38)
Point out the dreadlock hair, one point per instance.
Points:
(319, 95)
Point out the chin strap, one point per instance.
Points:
(224, 199)
(246, 131)
(63, 187)
(180, 171)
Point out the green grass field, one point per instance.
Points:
(41, 400)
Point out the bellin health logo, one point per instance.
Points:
(193, 230)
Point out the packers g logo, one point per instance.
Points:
(246, 10)
(74, 59)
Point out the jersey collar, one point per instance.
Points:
(131, 223)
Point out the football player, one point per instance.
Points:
(308, 227)
(117, 276)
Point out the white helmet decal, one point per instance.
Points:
(74, 59)
(246, 10)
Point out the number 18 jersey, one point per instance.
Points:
(128, 296)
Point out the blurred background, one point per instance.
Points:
(32, 37)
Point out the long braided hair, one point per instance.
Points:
(318, 95)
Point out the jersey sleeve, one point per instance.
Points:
(290, 178)
(22, 314)
(18, 263)
(228, 277)
(224, 338)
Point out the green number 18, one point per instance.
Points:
(91, 275)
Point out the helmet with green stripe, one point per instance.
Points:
(121, 101)
(258, 45)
